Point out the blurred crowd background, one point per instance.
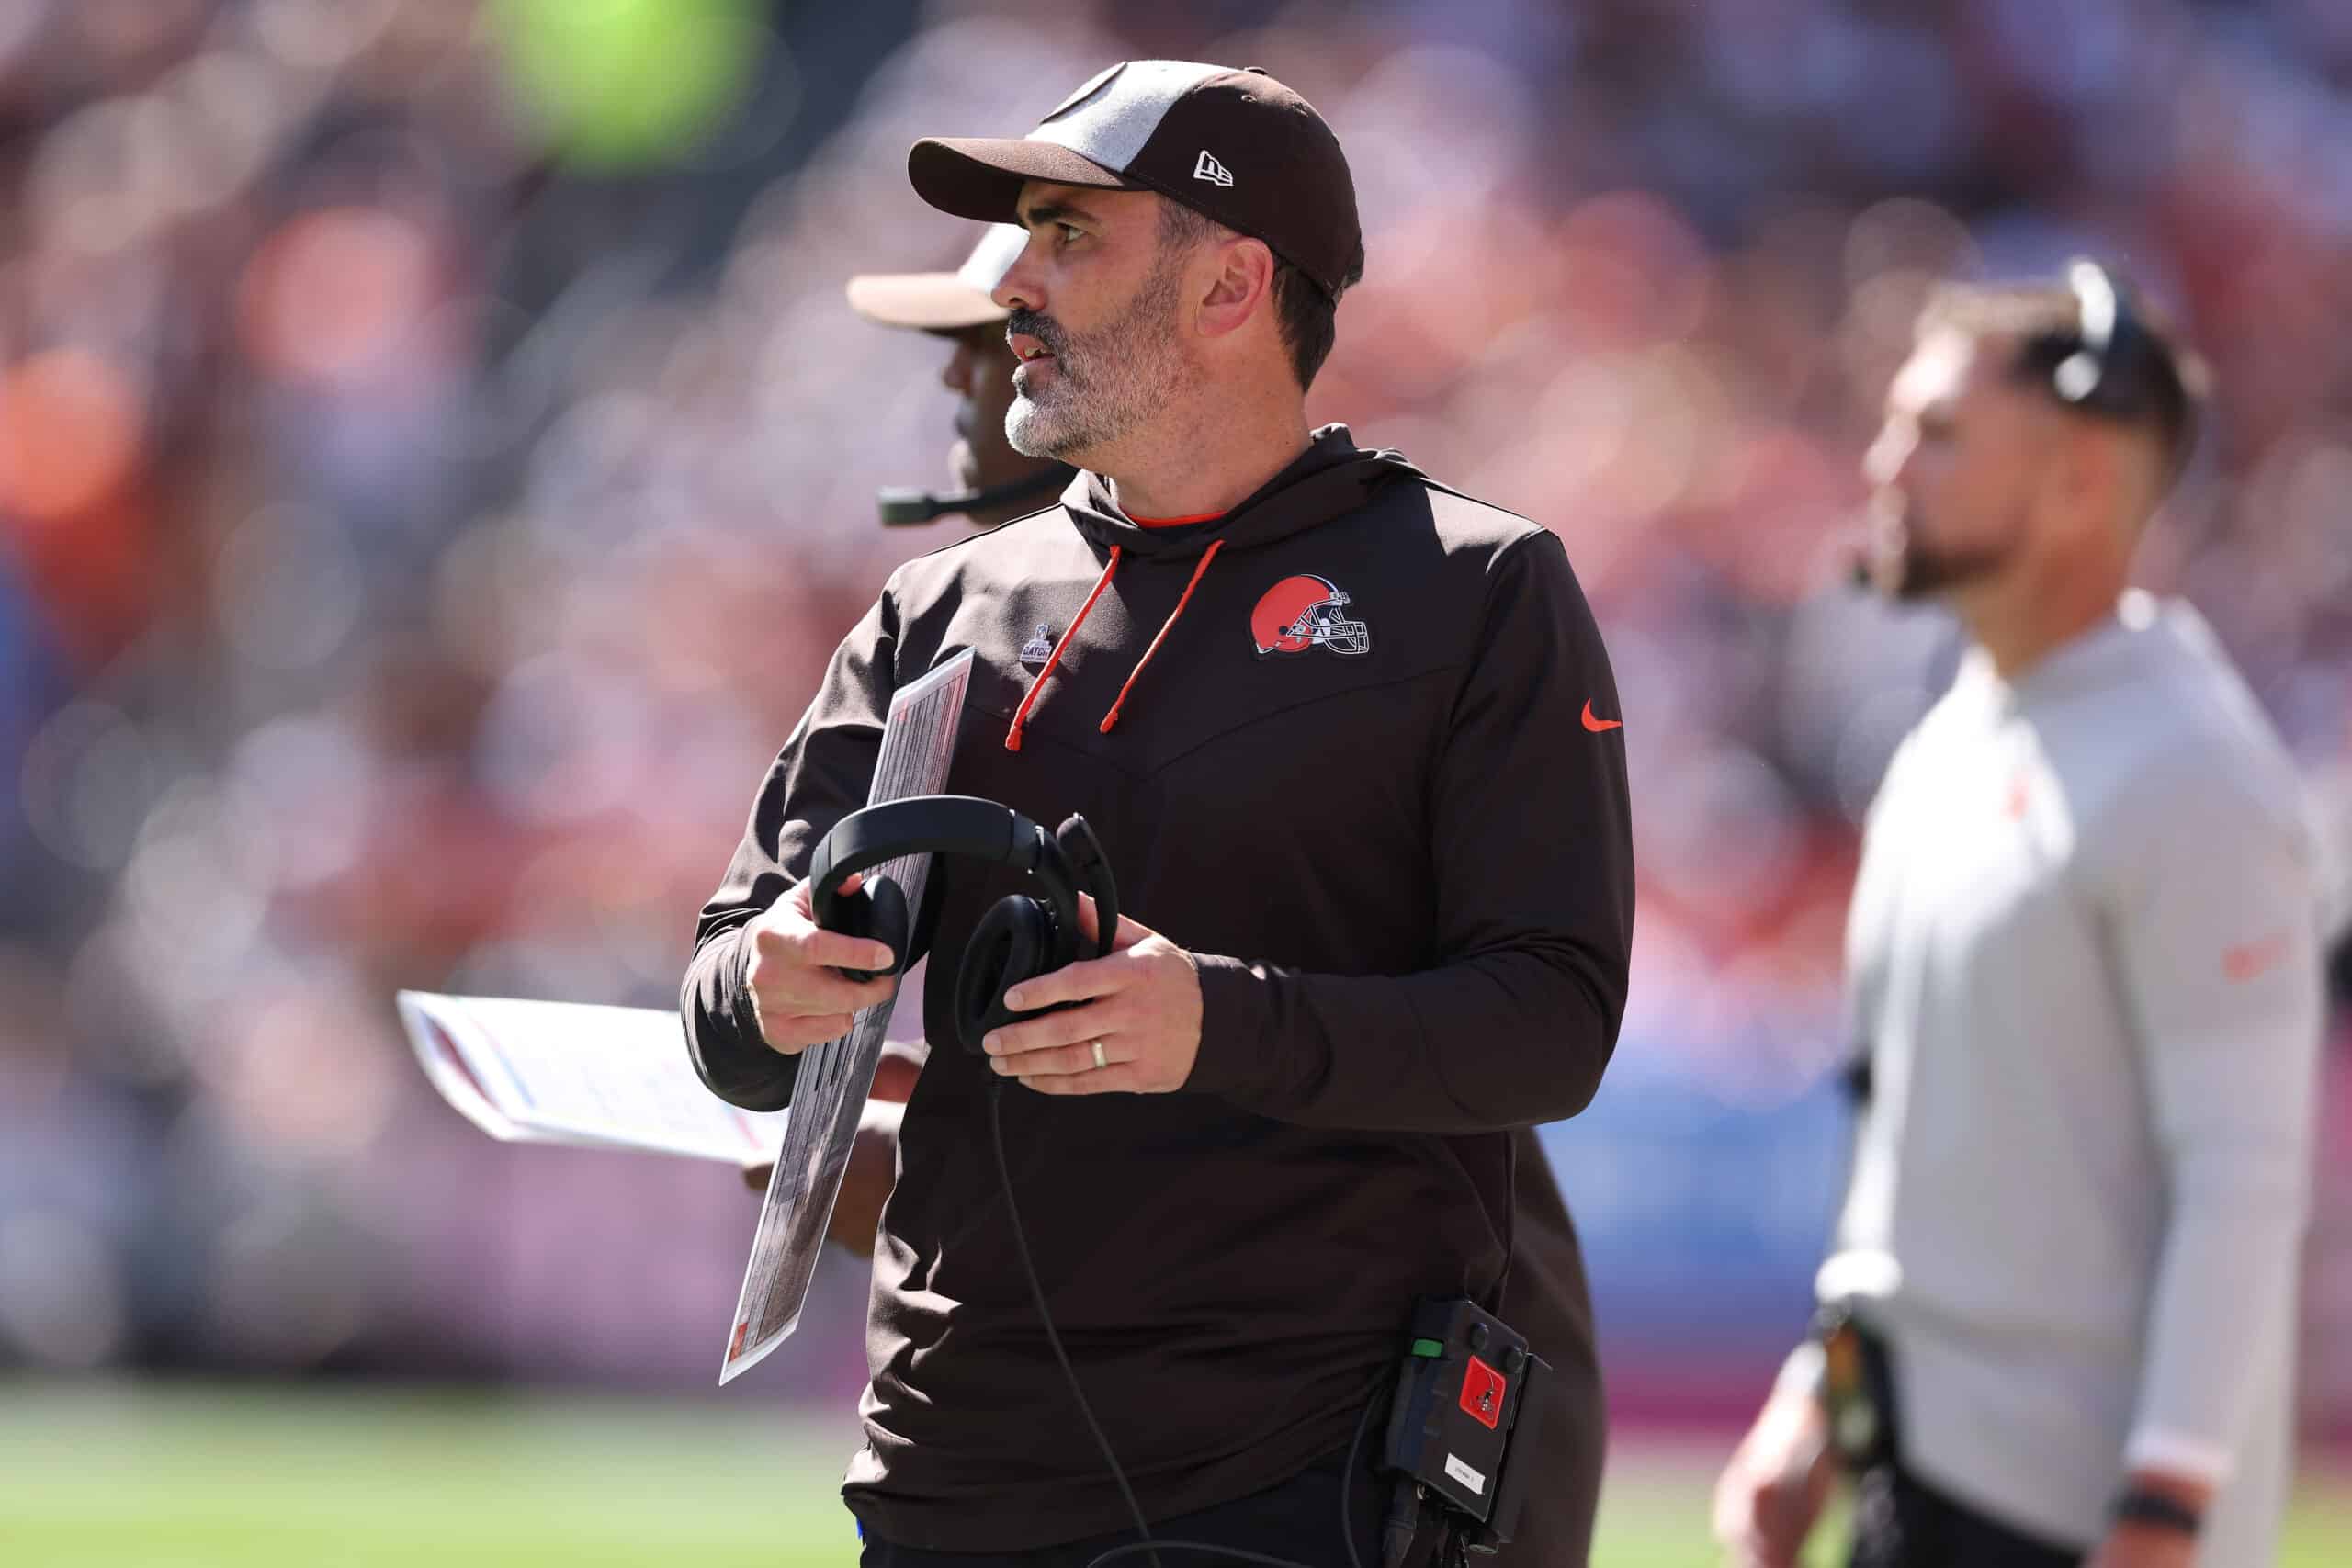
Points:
(436, 459)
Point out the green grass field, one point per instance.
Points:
(145, 1476)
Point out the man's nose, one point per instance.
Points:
(1018, 289)
(957, 374)
(1888, 456)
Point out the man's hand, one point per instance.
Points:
(2145, 1546)
(1776, 1483)
(2133, 1544)
(799, 999)
(1142, 1007)
(865, 1184)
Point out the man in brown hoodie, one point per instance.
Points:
(1546, 1298)
(1349, 738)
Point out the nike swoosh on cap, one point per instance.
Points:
(1599, 725)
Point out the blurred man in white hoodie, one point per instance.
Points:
(2058, 1317)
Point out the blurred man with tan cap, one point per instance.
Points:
(994, 483)
(1307, 696)
(2058, 1319)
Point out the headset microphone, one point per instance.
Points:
(901, 507)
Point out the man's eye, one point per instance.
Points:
(1069, 232)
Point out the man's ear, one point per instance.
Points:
(2095, 471)
(1241, 285)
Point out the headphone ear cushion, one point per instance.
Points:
(876, 912)
(1010, 944)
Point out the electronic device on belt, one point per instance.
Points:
(1467, 1384)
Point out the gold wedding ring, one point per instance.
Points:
(1100, 1060)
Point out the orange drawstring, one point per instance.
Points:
(1112, 717)
(1021, 714)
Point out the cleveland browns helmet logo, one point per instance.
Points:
(1300, 613)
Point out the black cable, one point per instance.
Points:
(1236, 1554)
(1510, 1219)
(1348, 1472)
(1347, 1517)
(1145, 1543)
(1403, 1524)
(1053, 1334)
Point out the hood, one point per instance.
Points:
(1332, 477)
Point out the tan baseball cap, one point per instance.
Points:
(1234, 145)
(942, 301)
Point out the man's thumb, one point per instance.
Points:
(1089, 925)
(806, 895)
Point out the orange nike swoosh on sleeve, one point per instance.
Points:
(1598, 725)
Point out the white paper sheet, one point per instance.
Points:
(576, 1073)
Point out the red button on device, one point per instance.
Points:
(1482, 1392)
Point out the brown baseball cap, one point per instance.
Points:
(942, 301)
(1237, 146)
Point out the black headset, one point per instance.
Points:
(2114, 365)
(1020, 937)
(2106, 370)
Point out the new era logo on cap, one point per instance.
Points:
(1147, 125)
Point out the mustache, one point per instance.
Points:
(1044, 328)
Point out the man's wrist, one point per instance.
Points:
(1231, 1059)
(2154, 1499)
(1802, 1375)
(2155, 1510)
(744, 1000)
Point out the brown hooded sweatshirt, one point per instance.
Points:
(1355, 746)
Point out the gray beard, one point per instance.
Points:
(1108, 381)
